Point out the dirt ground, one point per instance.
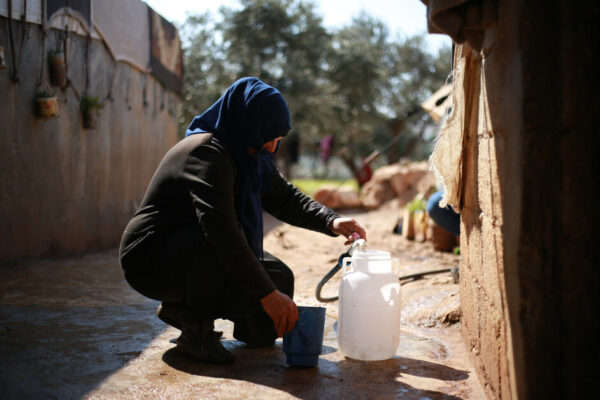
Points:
(72, 328)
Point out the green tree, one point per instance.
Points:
(358, 67)
(206, 74)
(417, 74)
(378, 85)
(356, 83)
(283, 43)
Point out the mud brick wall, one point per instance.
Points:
(530, 282)
(65, 189)
(490, 203)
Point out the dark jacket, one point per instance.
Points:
(195, 183)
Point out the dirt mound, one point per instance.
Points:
(400, 182)
(392, 185)
(338, 198)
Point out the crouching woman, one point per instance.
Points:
(196, 241)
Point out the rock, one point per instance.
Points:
(447, 312)
(438, 306)
(397, 181)
(375, 193)
(338, 197)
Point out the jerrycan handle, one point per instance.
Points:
(347, 265)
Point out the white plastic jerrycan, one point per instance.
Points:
(369, 306)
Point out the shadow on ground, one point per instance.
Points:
(330, 379)
(65, 353)
(68, 324)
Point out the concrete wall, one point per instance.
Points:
(530, 282)
(66, 189)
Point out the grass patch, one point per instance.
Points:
(310, 186)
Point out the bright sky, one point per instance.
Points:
(405, 17)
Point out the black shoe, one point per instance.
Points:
(170, 313)
(204, 345)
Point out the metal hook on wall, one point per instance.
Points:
(2, 60)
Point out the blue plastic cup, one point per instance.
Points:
(303, 344)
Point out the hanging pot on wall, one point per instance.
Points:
(90, 119)
(90, 107)
(47, 105)
(57, 69)
(2, 61)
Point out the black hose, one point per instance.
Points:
(338, 266)
(422, 274)
(327, 277)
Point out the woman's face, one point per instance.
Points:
(272, 145)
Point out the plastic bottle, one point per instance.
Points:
(369, 306)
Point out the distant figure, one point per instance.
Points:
(445, 217)
(326, 145)
(196, 241)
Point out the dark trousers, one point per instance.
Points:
(445, 217)
(180, 267)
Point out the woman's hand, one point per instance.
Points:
(282, 310)
(348, 228)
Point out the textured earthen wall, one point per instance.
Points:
(491, 203)
(66, 189)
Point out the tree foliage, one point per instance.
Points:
(355, 82)
(358, 67)
(283, 43)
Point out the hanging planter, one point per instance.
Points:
(57, 69)
(2, 61)
(47, 105)
(90, 107)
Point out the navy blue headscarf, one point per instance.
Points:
(248, 115)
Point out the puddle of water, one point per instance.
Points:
(411, 345)
(416, 346)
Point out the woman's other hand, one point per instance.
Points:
(282, 310)
(348, 227)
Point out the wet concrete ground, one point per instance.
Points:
(72, 328)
